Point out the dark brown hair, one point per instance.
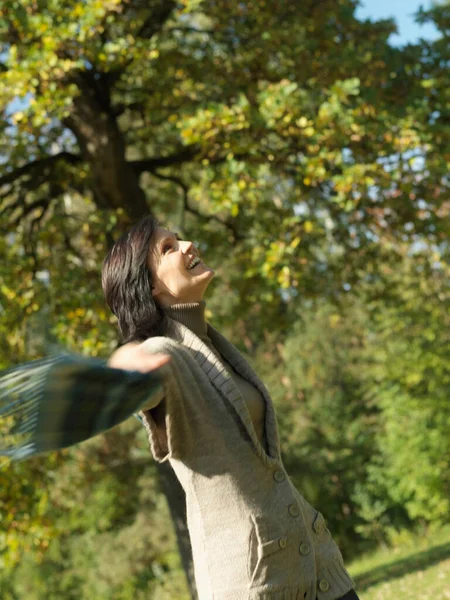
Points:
(127, 284)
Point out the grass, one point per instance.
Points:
(416, 569)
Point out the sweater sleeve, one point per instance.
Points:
(66, 399)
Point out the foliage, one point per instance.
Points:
(327, 421)
(411, 380)
(112, 536)
(308, 159)
(26, 526)
(362, 396)
(224, 117)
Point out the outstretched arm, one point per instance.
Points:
(60, 401)
(132, 357)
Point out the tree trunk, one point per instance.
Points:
(176, 500)
(114, 182)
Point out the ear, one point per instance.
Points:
(156, 290)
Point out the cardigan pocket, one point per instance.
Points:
(267, 553)
(325, 549)
(316, 522)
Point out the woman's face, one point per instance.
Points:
(178, 275)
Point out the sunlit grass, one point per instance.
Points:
(418, 568)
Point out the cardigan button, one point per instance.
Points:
(294, 510)
(279, 476)
(324, 586)
(282, 542)
(305, 549)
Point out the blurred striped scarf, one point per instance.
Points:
(65, 399)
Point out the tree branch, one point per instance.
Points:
(37, 165)
(155, 21)
(29, 208)
(118, 109)
(186, 154)
(180, 183)
(37, 220)
(11, 208)
(152, 25)
(150, 164)
(192, 30)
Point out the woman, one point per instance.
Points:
(253, 535)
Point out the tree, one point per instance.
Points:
(328, 420)
(410, 379)
(227, 118)
(243, 110)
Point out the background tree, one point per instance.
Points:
(304, 153)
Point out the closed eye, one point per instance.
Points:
(169, 243)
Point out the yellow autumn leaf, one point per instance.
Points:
(334, 320)
(302, 122)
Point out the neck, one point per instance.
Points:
(190, 314)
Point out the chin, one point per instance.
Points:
(206, 272)
(207, 277)
(210, 272)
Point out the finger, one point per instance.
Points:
(158, 360)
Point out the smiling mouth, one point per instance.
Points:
(193, 263)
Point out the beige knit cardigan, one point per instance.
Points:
(253, 536)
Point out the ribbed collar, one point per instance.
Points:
(192, 316)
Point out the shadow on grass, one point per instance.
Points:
(400, 568)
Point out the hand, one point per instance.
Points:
(132, 357)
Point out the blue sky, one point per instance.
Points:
(403, 12)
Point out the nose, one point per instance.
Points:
(186, 246)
